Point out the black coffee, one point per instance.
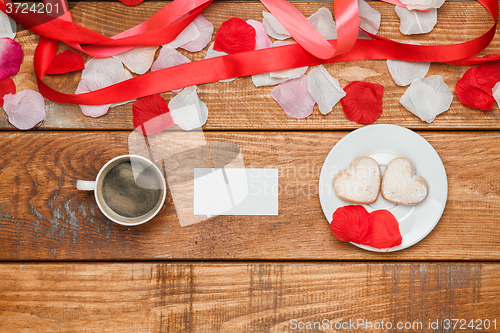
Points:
(128, 196)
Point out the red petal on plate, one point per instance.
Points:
(131, 2)
(235, 35)
(352, 223)
(7, 86)
(385, 230)
(474, 89)
(65, 62)
(151, 115)
(363, 101)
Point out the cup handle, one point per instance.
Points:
(85, 185)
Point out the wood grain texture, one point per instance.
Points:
(43, 216)
(240, 105)
(249, 297)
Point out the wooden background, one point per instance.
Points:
(66, 268)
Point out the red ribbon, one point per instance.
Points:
(166, 24)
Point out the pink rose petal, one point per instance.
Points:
(24, 109)
(11, 55)
(205, 29)
(262, 41)
(294, 97)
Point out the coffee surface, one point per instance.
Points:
(129, 196)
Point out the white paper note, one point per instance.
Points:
(235, 191)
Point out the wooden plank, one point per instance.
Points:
(43, 216)
(248, 297)
(240, 105)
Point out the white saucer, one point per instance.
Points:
(383, 143)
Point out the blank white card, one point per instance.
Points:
(235, 191)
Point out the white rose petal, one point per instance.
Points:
(324, 88)
(427, 97)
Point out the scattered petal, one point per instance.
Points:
(363, 101)
(91, 110)
(189, 34)
(385, 230)
(168, 57)
(495, 91)
(405, 72)
(24, 109)
(7, 86)
(363, 35)
(416, 21)
(8, 26)
(325, 89)
(103, 72)
(100, 73)
(369, 18)
(235, 35)
(65, 62)
(274, 27)
(262, 41)
(131, 2)
(205, 29)
(294, 98)
(290, 73)
(265, 79)
(474, 89)
(187, 110)
(352, 223)
(211, 53)
(422, 4)
(11, 55)
(323, 21)
(138, 59)
(427, 97)
(151, 115)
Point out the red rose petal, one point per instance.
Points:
(352, 223)
(235, 35)
(65, 62)
(385, 230)
(131, 2)
(363, 101)
(474, 89)
(7, 86)
(151, 115)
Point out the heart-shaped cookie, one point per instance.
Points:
(360, 184)
(401, 186)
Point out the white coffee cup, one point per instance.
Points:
(129, 189)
